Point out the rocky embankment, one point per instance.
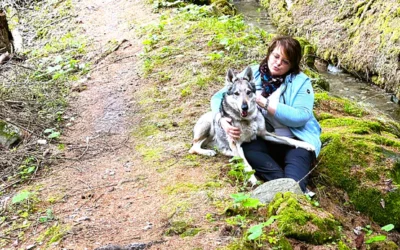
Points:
(362, 37)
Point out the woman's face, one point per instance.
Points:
(278, 64)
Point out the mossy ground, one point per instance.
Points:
(217, 43)
(187, 53)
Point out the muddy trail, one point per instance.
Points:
(105, 193)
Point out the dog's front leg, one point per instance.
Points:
(247, 167)
(288, 141)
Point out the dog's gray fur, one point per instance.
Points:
(239, 104)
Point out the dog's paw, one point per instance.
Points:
(305, 145)
(253, 180)
(209, 152)
(227, 152)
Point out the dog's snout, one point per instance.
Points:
(245, 106)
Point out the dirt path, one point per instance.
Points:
(106, 194)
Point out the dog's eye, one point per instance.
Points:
(248, 92)
(237, 93)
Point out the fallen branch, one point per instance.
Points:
(108, 52)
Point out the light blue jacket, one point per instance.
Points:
(295, 108)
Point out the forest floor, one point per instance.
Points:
(108, 194)
(124, 174)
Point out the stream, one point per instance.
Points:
(341, 84)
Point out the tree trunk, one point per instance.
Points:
(5, 34)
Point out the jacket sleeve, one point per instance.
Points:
(298, 110)
(216, 100)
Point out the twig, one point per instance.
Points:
(52, 23)
(107, 53)
(21, 127)
(98, 198)
(310, 171)
(87, 146)
(10, 185)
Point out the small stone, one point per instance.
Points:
(42, 142)
(111, 189)
(148, 226)
(46, 152)
(267, 191)
(30, 247)
(85, 218)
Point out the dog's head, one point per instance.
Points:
(241, 94)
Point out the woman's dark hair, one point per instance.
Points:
(291, 48)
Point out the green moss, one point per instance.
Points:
(283, 244)
(345, 153)
(342, 246)
(9, 134)
(182, 188)
(352, 125)
(298, 219)
(317, 80)
(53, 234)
(149, 153)
(322, 116)
(372, 173)
(395, 172)
(385, 245)
(181, 228)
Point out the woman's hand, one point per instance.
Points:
(261, 100)
(273, 101)
(231, 131)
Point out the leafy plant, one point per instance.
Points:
(49, 216)
(237, 171)
(376, 239)
(256, 231)
(379, 237)
(388, 227)
(245, 200)
(21, 197)
(52, 133)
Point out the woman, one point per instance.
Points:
(289, 113)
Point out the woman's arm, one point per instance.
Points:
(297, 111)
(216, 100)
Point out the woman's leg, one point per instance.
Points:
(298, 162)
(257, 153)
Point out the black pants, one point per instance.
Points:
(273, 161)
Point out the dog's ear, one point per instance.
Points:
(248, 74)
(230, 78)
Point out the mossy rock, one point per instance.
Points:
(358, 156)
(385, 245)
(300, 220)
(224, 7)
(317, 80)
(9, 134)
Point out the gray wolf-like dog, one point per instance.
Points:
(239, 104)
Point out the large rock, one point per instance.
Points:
(9, 134)
(299, 219)
(267, 191)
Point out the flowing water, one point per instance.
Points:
(341, 84)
